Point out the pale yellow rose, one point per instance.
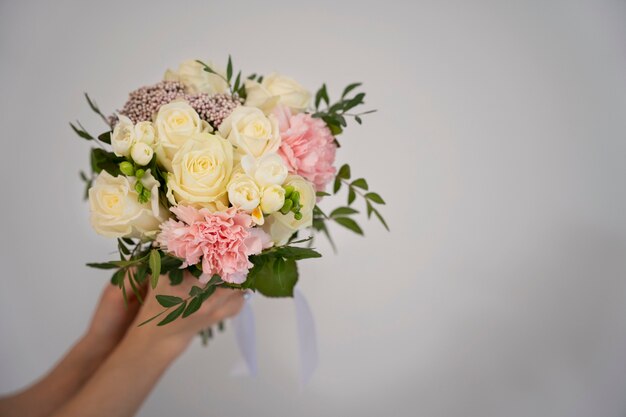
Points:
(176, 123)
(196, 80)
(201, 170)
(282, 226)
(277, 89)
(116, 211)
(266, 170)
(251, 132)
(272, 198)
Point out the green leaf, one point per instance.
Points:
(321, 95)
(358, 119)
(351, 196)
(344, 172)
(206, 67)
(169, 300)
(95, 109)
(337, 184)
(380, 217)
(173, 315)
(122, 248)
(237, 82)
(360, 183)
(270, 285)
(352, 103)
(102, 265)
(322, 194)
(343, 211)
(349, 224)
(193, 306)
(155, 267)
(81, 131)
(107, 161)
(105, 138)
(375, 198)
(118, 277)
(176, 276)
(141, 272)
(349, 88)
(134, 287)
(195, 290)
(370, 209)
(297, 253)
(229, 69)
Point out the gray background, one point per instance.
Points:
(499, 146)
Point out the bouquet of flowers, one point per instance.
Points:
(220, 175)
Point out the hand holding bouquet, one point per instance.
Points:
(219, 176)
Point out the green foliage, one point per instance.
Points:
(334, 115)
(104, 160)
(237, 89)
(168, 300)
(155, 267)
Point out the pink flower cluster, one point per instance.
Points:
(223, 240)
(307, 146)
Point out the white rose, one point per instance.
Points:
(123, 136)
(274, 89)
(141, 153)
(251, 132)
(116, 211)
(266, 170)
(144, 132)
(196, 80)
(243, 193)
(281, 226)
(201, 170)
(272, 199)
(175, 123)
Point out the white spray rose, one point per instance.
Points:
(267, 170)
(244, 193)
(281, 226)
(275, 89)
(123, 136)
(196, 80)
(175, 123)
(251, 132)
(201, 170)
(272, 199)
(141, 153)
(144, 132)
(116, 211)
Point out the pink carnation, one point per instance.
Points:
(222, 240)
(307, 146)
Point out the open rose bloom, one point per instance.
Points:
(217, 176)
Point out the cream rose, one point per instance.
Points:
(280, 226)
(244, 193)
(251, 132)
(196, 80)
(145, 133)
(116, 211)
(175, 123)
(201, 170)
(272, 199)
(123, 136)
(275, 89)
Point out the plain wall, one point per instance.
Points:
(499, 146)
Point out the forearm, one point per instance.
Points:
(124, 380)
(61, 383)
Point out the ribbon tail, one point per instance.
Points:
(307, 338)
(245, 334)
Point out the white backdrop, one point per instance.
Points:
(499, 146)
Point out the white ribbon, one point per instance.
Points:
(245, 333)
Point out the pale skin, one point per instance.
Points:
(117, 359)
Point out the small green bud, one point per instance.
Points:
(288, 191)
(139, 187)
(297, 216)
(286, 207)
(295, 197)
(127, 168)
(296, 207)
(139, 173)
(146, 193)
